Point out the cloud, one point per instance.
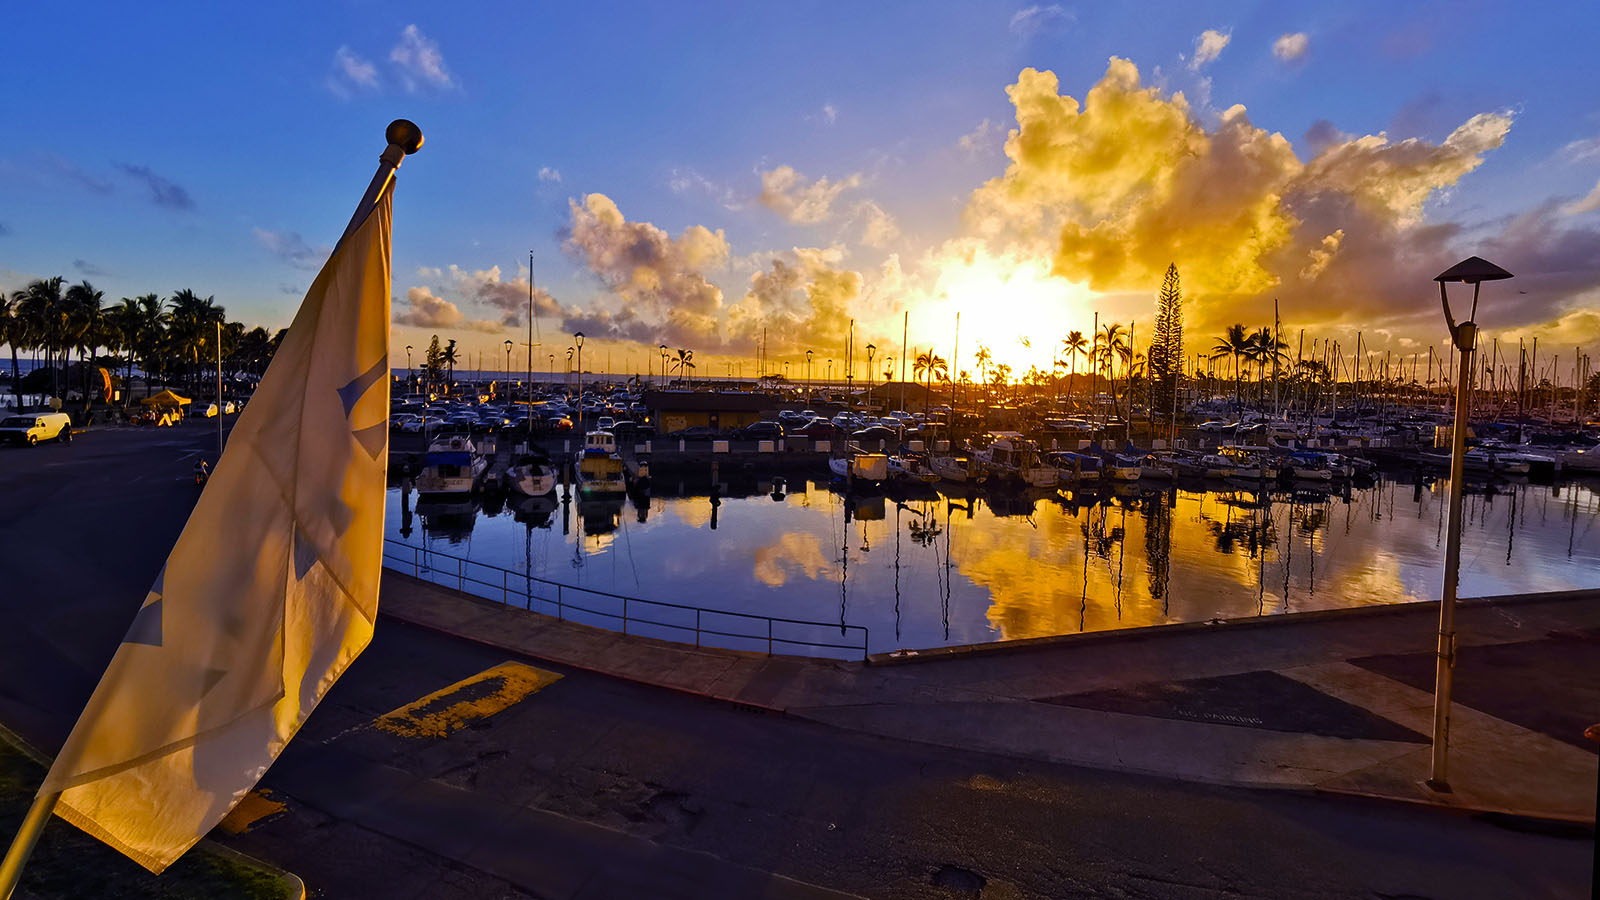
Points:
(351, 73)
(788, 193)
(291, 248)
(878, 228)
(1577, 151)
(163, 192)
(980, 139)
(426, 310)
(828, 115)
(1208, 46)
(550, 175)
(1588, 204)
(88, 268)
(659, 280)
(418, 60)
(488, 287)
(801, 299)
(1322, 134)
(62, 168)
(1030, 21)
(1116, 187)
(685, 181)
(1291, 47)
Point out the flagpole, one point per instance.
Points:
(404, 138)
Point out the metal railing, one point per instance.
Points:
(484, 580)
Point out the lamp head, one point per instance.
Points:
(578, 339)
(1472, 270)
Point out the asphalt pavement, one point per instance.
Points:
(593, 786)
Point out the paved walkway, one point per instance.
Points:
(1193, 700)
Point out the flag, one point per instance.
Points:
(269, 593)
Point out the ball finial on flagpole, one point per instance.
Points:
(405, 134)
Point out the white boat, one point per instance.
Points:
(1218, 466)
(1011, 456)
(1075, 467)
(872, 468)
(452, 465)
(964, 469)
(911, 467)
(1160, 465)
(599, 465)
(1580, 459)
(1120, 468)
(532, 475)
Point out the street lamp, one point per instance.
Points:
(870, 349)
(808, 377)
(508, 362)
(577, 340)
(410, 376)
(1464, 336)
(663, 366)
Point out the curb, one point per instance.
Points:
(294, 885)
(579, 667)
(1155, 632)
(1574, 827)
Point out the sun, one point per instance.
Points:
(1011, 305)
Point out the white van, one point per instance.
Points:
(31, 428)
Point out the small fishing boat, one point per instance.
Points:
(911, 467)
(858, 468)
(452, 465)
(960, 469)
(599, 465)
(531, 475)
(1011, 457)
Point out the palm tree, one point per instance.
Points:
(1076, 345)
(684, 364)
(1264, 349)
(85, 328)
(11, 336)
(150, 337)
(42, 309)
(122, 336)
(983, 359)
(191, 327)
(448, 358)
(1110, 344)
(1235, 343)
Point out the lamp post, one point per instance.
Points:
(577, 340)
(508, 361)
(870, 349)
(663, 366)
(808, 377)
(410, 376)
(567, 382)
(1464, 336)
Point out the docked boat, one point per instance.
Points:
(531, 475)
(1215, 465)
(1158, 465)
(964, 469)
(1119, 467)
(1075, 467)
(452, 465)
(911, 467)
(1307, 467)
(1248, 465)
(861, 468)
(1014, 458)
(599, 465)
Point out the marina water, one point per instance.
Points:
(947, 568)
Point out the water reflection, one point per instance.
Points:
(953, 566)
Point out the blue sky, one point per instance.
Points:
(220, 146)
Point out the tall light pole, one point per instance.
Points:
(663, 366)
(1464, 337)
(552, 365)
(577, 340)
(808, 377)
(410, 375)
(870, 349)
(508, 363)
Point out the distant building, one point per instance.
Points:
(676, 410)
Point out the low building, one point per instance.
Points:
(673, 411)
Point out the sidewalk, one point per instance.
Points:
(1289, 702)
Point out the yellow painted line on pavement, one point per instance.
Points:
(255, 806)
(480, 696)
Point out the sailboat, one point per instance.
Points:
(532, 475)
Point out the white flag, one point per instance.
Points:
(270, 592)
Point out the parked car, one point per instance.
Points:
(31, 428)
(817, 430)
(698, 432)
(874, 433)
(762, 431)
